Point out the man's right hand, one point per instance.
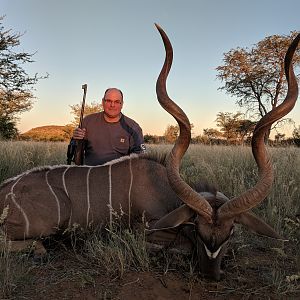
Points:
(78, 134)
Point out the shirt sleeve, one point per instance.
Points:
(137, 144)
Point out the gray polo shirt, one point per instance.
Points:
(107, 141)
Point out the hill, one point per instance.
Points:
(53, 133)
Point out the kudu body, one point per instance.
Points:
(40, 202)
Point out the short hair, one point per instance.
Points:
(113, 89)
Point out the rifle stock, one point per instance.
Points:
(79, 152)
(71, 151)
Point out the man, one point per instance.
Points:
(109, 134)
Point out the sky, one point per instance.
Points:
(115, 44)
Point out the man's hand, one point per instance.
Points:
(79, 134)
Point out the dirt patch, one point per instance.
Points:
(258, 270)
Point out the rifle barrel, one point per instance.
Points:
(84, 87)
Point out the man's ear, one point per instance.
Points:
(257, 225)
(178, 216)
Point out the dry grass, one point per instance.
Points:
(17, 157)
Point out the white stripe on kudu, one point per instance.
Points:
(56, 199)
(67, 193)
(88, 196)
(64, 180)
(129, 192)
(13, 198)
(109, 197)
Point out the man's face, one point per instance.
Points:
(112, 103)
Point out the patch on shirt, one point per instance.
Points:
(143, 147)
(122, 140)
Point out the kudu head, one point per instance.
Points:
(213, 215)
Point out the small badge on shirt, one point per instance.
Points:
(143, 147)
(122, 140)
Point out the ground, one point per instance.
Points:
(261, 270)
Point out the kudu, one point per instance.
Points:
(42, 201)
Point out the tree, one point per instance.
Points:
(68, 131)
(256, 76)
(296, 136)
(234, 126)
(8, 128)
(296, 133)
(228, 123)
(245, 129)
(171, 133)
(212, 133)
(279, 137)
(15, 84)
(88, 109)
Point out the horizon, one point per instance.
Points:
(116, 44)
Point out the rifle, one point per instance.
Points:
(76, 147)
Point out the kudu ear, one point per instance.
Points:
(178, 216)
(257, 225)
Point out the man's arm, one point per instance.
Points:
(137, 144)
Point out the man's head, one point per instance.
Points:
(112, 104)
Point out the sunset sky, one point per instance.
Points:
(115, 44)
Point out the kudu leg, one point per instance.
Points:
(16, 246)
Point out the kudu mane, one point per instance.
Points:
(158, 157)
